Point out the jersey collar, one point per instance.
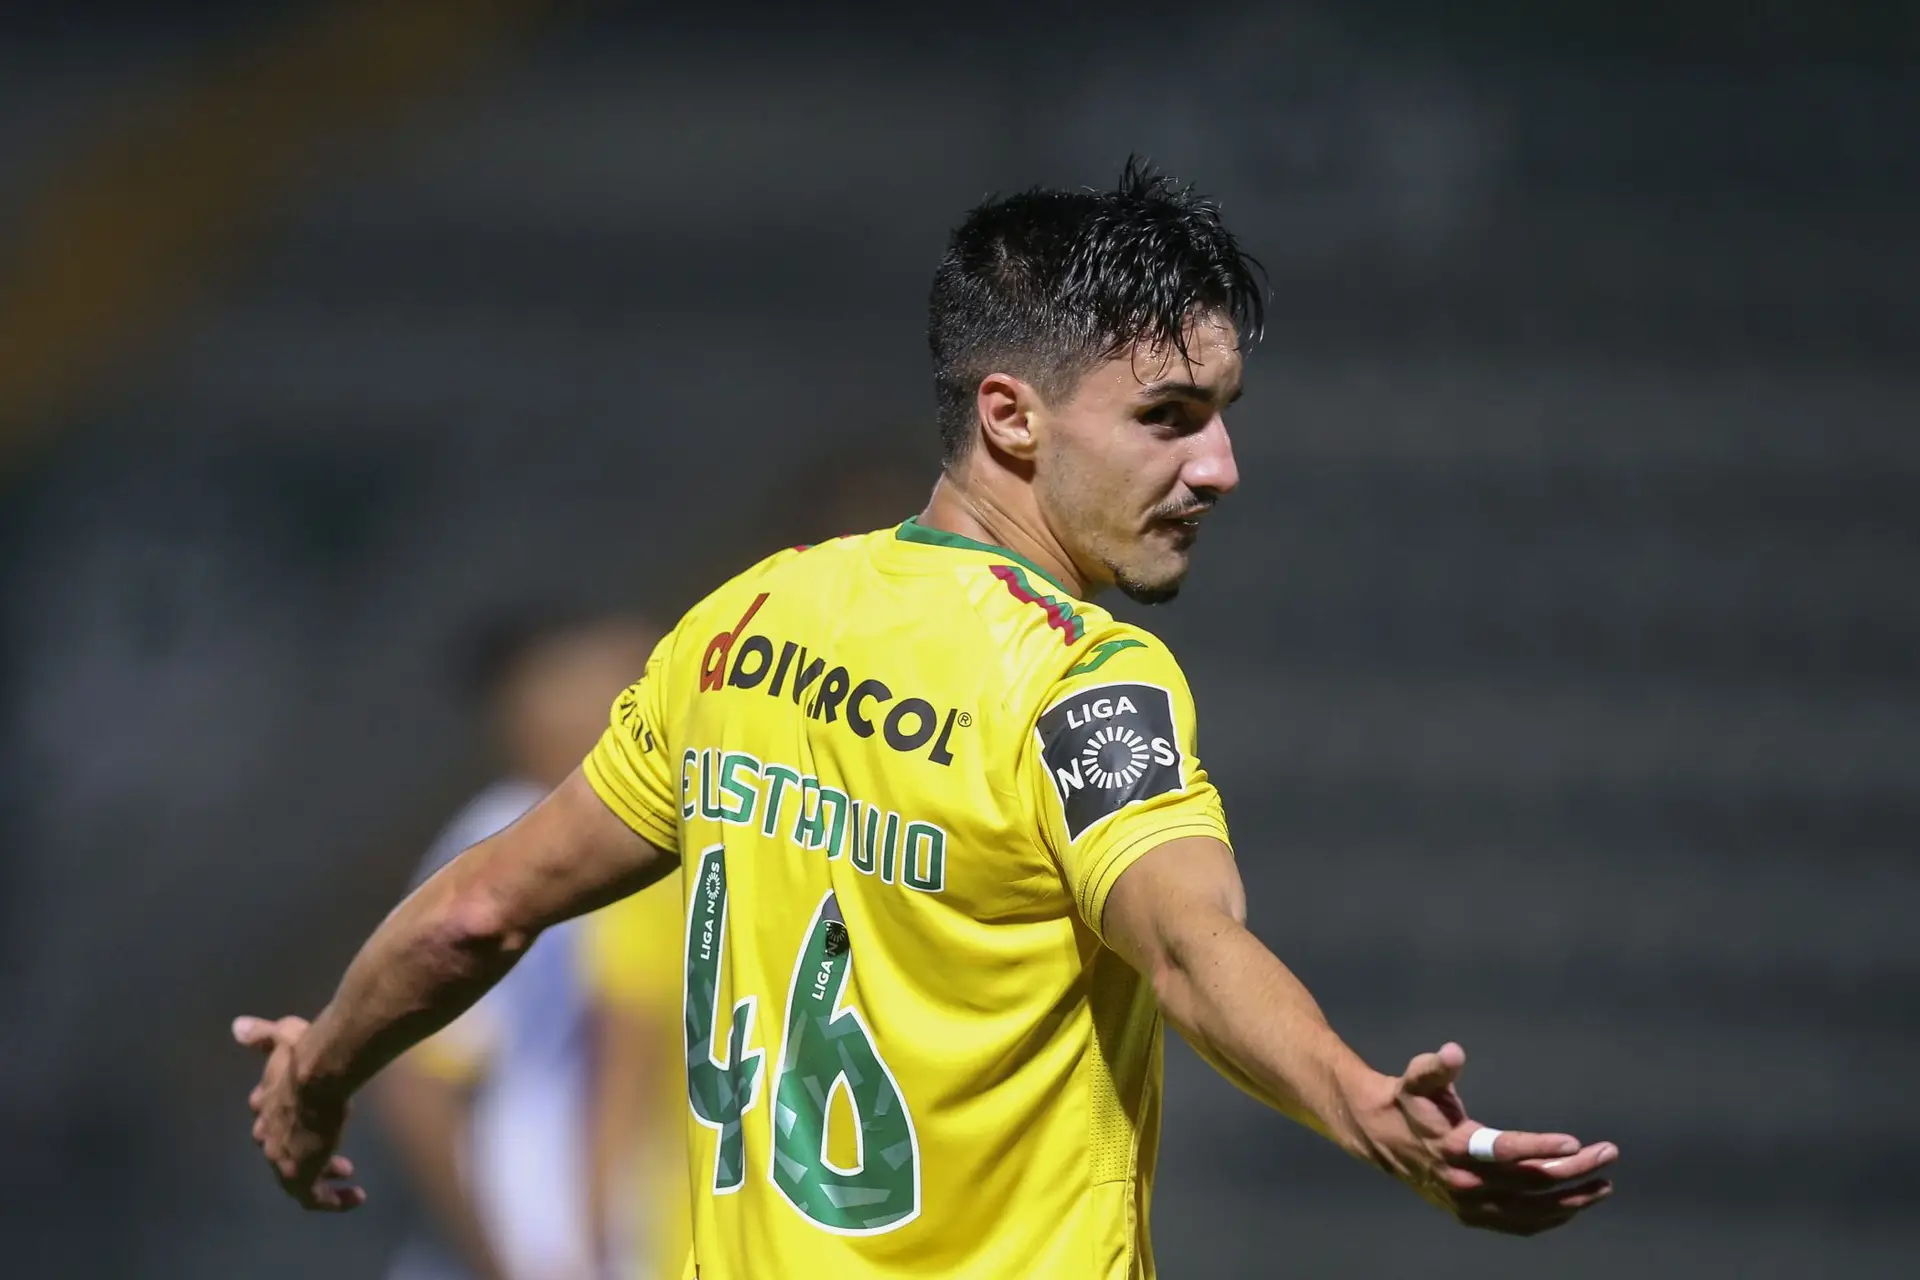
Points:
(911, 530)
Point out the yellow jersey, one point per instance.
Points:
(903, 771)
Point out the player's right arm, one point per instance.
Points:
(1178, 915)
(437, 953)
(609, 830)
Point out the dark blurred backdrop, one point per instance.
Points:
(1559, 658)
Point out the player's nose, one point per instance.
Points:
(1210, 466)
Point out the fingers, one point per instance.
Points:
(1539, 1159)
(1590, 1192)
(334, 1197)
(326, 1195)
(254, 1033)
(1431, 1074)
(267, 1035)
(330, 1192)
(1571, 1193)
(1534, 1195)
(1512, 1146)
(1522, 1214)
(1578, 1166)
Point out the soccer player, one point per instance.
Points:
(947, 853)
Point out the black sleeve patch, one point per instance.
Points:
(1107, 747)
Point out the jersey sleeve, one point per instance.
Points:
(630, 768)
(1113, 760)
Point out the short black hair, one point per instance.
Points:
(1046, 284)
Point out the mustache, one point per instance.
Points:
(1182, 510)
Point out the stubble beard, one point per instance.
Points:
(1141, 592)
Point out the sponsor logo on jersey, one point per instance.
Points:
(1108, 747)
(829, 693)
(713, 663)
(1098, 655)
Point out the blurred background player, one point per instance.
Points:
(511, 1132)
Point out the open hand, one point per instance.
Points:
(1533, 1182)
(298, 1135)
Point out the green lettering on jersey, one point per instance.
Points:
(1098, 655)
(934, 877)
(710, 787)
(809, 815)
(743, 792)
(890, 851)
(862, 854)
(823, 824)
(778, 777)
(828, 832)
(689, 759)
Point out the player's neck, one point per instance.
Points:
(973, 511)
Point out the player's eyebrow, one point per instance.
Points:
(1178, 389)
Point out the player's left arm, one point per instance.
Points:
(1140, 836)
(1178, 915)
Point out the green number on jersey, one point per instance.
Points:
(829, 1048)
(720, 1091)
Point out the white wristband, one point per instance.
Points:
(1480, 1145)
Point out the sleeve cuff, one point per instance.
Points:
(629, 807)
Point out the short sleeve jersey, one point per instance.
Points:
(903, 771)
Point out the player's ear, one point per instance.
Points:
(1004, 406)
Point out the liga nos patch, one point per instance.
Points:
(1108, 747)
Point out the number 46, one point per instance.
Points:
(827, 1047)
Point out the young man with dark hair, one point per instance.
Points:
(949, 855)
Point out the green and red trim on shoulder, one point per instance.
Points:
(1060, 613)
(808, 546)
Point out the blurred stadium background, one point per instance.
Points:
(1559, 659)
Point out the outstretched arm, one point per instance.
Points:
(438, 952)
(1178, 916)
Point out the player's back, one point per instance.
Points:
(902, 770)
